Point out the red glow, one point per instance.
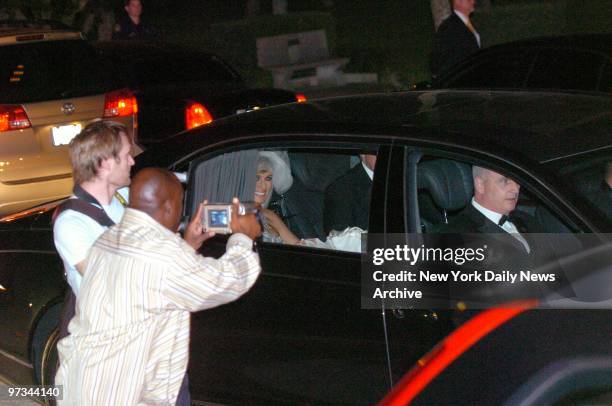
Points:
(300, 98)
(120, 103)
(448, 350)
(196, 115)
(13, 117)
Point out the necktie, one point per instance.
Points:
(505, 222)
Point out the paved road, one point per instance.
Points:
(4, 390)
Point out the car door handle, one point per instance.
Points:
(421, 314)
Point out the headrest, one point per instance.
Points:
(317, 171)
(449, 182)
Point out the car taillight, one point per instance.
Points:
(13, 117)
(447, 351)
(300, 97)
(196, 115)
(120, 103)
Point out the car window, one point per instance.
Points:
(51, 70)
(162, 68)
(315, 198)
(503, 70)
(446, 188)
(590, 178)
(565, 69)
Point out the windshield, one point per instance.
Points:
(49, 70)
(589, 177)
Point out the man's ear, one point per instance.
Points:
(105, 167)
(167, 207)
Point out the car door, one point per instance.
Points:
(299, 335)
(411, 332)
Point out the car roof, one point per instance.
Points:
(540, 126)
(594, 42)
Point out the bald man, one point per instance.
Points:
(129, 339)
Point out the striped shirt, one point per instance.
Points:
(129, 339)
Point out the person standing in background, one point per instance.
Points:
(131, 26)
(456, 38)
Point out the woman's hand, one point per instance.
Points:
(279, 226)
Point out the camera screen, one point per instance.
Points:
(217, 218)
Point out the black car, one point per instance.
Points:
(179, 88)
(301, 336)
(580, 62)
(517, 355)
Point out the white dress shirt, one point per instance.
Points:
(507, 227)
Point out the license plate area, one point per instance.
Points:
(63, 134)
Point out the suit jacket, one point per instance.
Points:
(503, 253)
(452, 43)
(347, 201)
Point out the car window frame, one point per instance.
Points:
(378, 205)
(538, 185)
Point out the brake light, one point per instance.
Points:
(447, 351)
(13, 117)
(300, 97)
(120, 103)
(196, 115)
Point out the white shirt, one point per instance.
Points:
(74, 233)
(465, 20)
(368, 171)
(507, 227)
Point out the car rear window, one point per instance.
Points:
(566, 69)
(165, 68)
(501, 70)
(38, 71)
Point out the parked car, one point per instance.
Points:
(579, 62)
(300, 335)
(517, 355)
(185, 86)
(52, 84)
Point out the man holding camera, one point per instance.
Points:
(129, 339)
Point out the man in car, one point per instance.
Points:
(129, 340)
(490, 221)
(455, 39)
(131, 25)
(347, 199)
(495, 198)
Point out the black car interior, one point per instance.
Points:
(301, 207)
(445, 188)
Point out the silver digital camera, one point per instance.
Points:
(217, 216)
